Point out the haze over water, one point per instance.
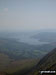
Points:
(28, 38)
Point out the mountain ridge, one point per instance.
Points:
(47, 63)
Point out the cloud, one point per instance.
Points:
(6, 9)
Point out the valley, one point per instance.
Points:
(18, 55)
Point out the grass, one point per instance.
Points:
(4, 61)
(10, 66)
(21, 65)
(36, 52)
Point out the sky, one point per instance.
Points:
(27, 14)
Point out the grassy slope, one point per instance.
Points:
(10, 48)
(17, 66)
(4, 61)
(10, 66)
(47, 63)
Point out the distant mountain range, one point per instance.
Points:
(45, 36)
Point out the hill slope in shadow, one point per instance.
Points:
(47, 63)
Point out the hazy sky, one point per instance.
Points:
(27, 14)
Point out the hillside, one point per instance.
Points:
(18, 50)
(46, 36)
(47, 63)
(17, 58)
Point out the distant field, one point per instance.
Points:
(4, 61)
(18, 50)
(39, 52)
(17, 56)
(10, 66)
(21, 65)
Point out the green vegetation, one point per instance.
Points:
(47, 63)
(39, 52)
(17, 57)
(17, 66)
(17, 50)
(4, 61)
